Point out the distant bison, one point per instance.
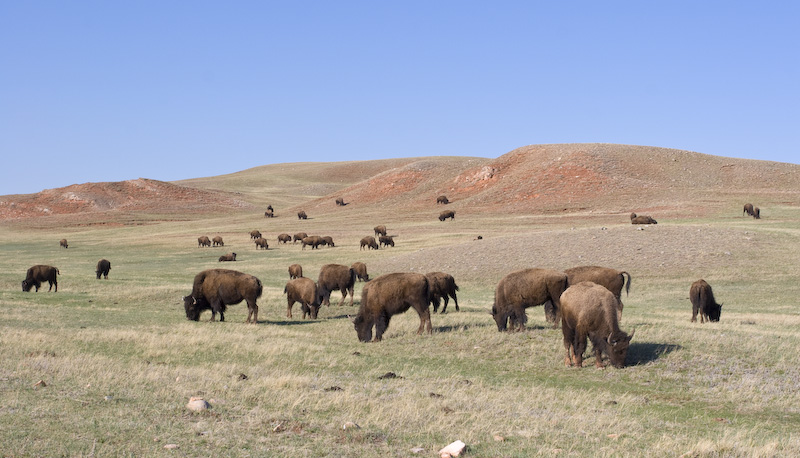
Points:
(227, 257)
(369, 242)
(386, 240)
(313, 240)
(295, 271)
(390, 295)
(590, 310)
(269, 213)
(447, 214)
(527, 288)
(340, 201)
(304, 291)
(442, 200)
(38, 274)
(217, 241)
(262, 243)
(361, 271)
(380, 230)
(215, 289)
(63, 242)
(327, 240)
(103, 266)
(748, 209)
(757, 213)
(703, 301)
(635, 219)
(302, 215)
(612, 279)
(285, 238)
(334, 277)
(203, 241)
(254, 234)
(299, 236)
(442, 286)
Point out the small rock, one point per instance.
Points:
(350, 425)
(416, 450)
(108, 398)
(389, 375)
(452, 450)
(242, 377)
(498, 438)
(171, 446)
(435, 395)
(334, 388)
(198, 404)
(278, 428)
(40, 383)
(613, 436)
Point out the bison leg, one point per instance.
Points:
(446, 301)
(569, 339)
(455, 300)
(425, 320)
(694, 313)
(289, 308)
(519, 317)
(435, 303)
(380, 326)
(579, 347)
(216, 307)
(252, 312)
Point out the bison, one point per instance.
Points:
(63, 242)
(380, 230)
(269, 213)
(757, 213)
(442, 286)
(340, 201)
(38, 274)
(227, 257)
(334, 277)
(215, 289)
(285, 238)
(442, 200)
(590, 310)
(295, 271)
(314, 240)
(304, 291)
(261, 242)
(255, 234)
(447, 214)
(203, 241)
(299, 236)
(361, 271)
(386, 240)
(748, 209)
(527, 288)
(369, 242)
(703, 301)
(390, 295)
(635, 219)
(612, 279)
(327, 240)
(302, 215)
(217, 241)
(103, 266)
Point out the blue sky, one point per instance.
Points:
(109, 91)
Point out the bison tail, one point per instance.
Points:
(628, 285)
(285, 289)
(260, 288)
(58, 272)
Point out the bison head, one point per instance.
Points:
(363, 328)
(714, 311)
(500, 318)
(617, 349)
(194, 307)
(26, 285)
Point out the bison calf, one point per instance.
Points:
(442, 285)
(215, 289)
(103, 266)
(390, 295)
(703, 301)
(304, 291)
(38, 274)
(295, 271)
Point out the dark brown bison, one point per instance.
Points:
(442, 286)
(361, 271)
(612, 279)
(304, 291)
(635, 219)
(103, 266)
(63, 242)
(261, 242)
(442, 200)
(386, 240)
(380, 230)
(313, 240)
(447, 214)
(38, 274)
(748, 209)
(302, 215)
(227, 257)
(254, 234)
(327, 240)
(217, 241)
(389, 295)
(334, 277)
(369, 242)
(295, 271)
(340, 201)
(590, 310)
(285, 238)
(203, 241)
(299, 236)
(757, 213)
(269, 213)
(215, 289)
(703, 302)
(527, 288)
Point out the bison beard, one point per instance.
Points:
(390, 295)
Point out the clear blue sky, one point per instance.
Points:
(108, 91)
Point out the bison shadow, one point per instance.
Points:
(640, 353)
(288, 322)
(461, 327)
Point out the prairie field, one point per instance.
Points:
(106, 367)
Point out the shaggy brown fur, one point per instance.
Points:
(103, 266)
(203, 241)
(442, 286)
(215, 289)
(612, 279)
(390, 295)
(527, 288)
(442, 200)
(313, 240)
(38, 274)
(302, 215)
(217, 241)
(380, 230)
(447, 214)
(703, 301)
(261, 242)
(386, 240)
(304, 291)
(635, 219)
(285, 238)
(299, 236)
(255, 234)
(361, 271)
(334, 277)
(369, 242)
(295, 271)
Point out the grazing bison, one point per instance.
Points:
(203, 241)
(261, 242)
(38, 274)
(447, 214)
(327, 240)
(304, 291)
(386, 240)
(442, 285)
(299, 236)
(215, 289)
(269, 213)
(340, 201)
(757, 213)
(63, 242)
(390, 295)
(285, 238)
(703, 301)
(217, 241)
(369, 242)
(442, 200)
(314, 240)
(295, 271)
(103, 266)
(642, 219)
(302, 215)
(227, 257)
(334, 277)
(527, 288)
(612, 279)
(361, 271)
(380, 230)
(590, 310)
(254, 234)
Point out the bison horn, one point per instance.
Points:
(609, 339)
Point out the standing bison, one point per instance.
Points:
(442, 286)
(217, 241)
(327, 240)
(361, 271)
(635, 219)
(527, 288)
(269, 213)
(703, 301)
(38, 274)
(390, 295)
(612, 279)
(203, 241)
(295, 271)
(447, 214)
(215, 289)
(748, 209)
(103, 266)
(255, 234)
(590, 310)
(261, 242)
(304, 291)
(442, 200)
(227, 257)
(302, 215)
(380, 230)
(63, 243)
(285, 238)
(299, 236)
(386, 240)
(313, 240)
(340, 202)
(757, 213)
(369, 242)
(334, 277)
